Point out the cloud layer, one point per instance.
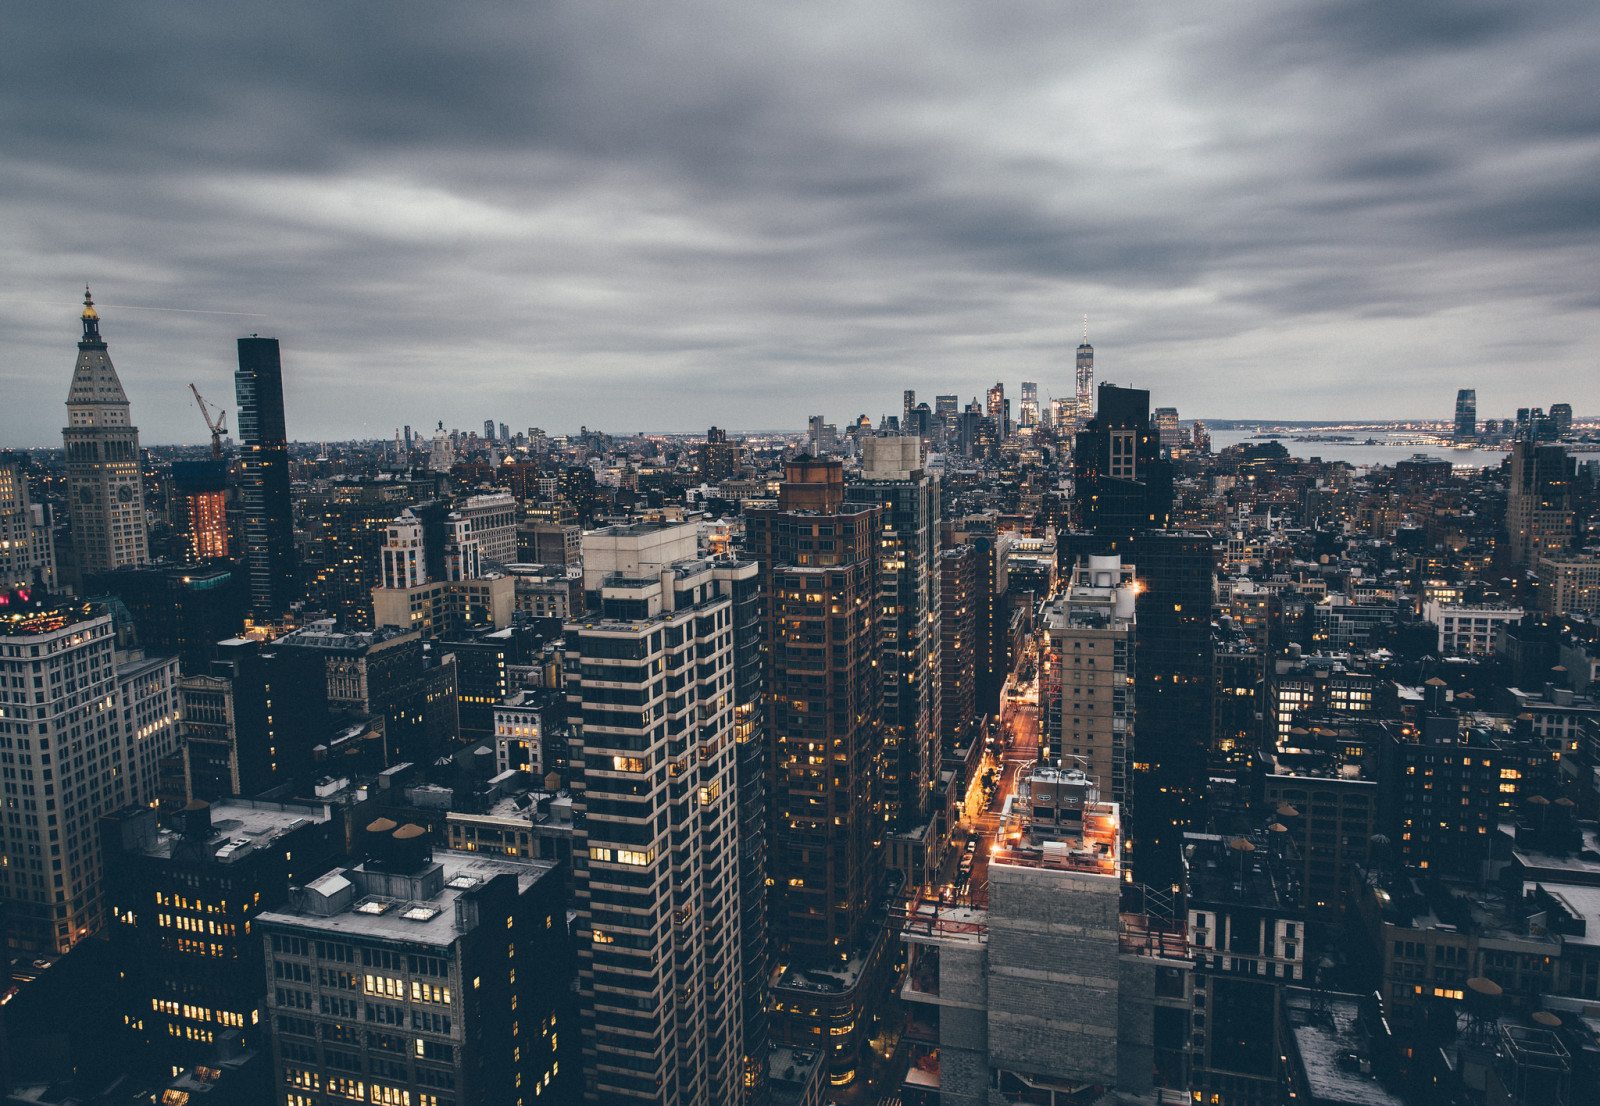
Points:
(663, 217)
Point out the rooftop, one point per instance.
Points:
(427, 921)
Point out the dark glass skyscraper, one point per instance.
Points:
(264, 447)
(1466, 414)
(1123, 494)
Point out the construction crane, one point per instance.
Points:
(218, 428)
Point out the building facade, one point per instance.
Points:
(104, 485)
(264, 486)
(651, 698)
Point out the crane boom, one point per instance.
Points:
(216, 426)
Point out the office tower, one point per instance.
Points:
(199, 499)
(1028, 413)
(505, 433)
(1085, 373)
(908, 404)
(27, 547)
(407, 438)
(182, 902)
(454, 965)
(1123, 494)
(958, 651)
(1122, 484)
(492, 523)
(1168, 432)
(892, 478)
(252, 721)
(717, 459)
(1466, 414)
(1087, 698)
(821, 572)
(264, 485)
(649, 691)
(1540, 520)
(1561, 419)
(998, 410)
(69, 727)
(105, 491)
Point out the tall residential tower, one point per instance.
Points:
(264, 449)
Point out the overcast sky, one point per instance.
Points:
(663, 216)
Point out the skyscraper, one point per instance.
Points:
(264, 452)
(1085, 410)
(1029, 413)
(1539, 502)
(1168, 431)
(892, 477)
(101, 729)
(1466, 414)
(650, 694)
(996, 410)
(104, 487)
(821, 569)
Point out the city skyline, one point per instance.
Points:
(592, 218)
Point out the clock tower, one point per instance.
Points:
(105, 492)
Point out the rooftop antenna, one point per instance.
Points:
(1085, 328)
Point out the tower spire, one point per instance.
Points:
(91, 321)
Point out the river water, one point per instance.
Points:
(1391, 447)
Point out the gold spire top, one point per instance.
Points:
(88, 304)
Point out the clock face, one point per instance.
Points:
(86, 494)
(125, 494)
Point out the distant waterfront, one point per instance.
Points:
(1358, 453)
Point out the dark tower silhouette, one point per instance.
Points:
(1123, 494)
(264, 450)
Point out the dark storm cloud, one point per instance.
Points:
(593, 212)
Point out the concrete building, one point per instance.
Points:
(1468, 630)
(182, 901)
(1048, 987)
(492, 522)
(1087, 697)
(73, 748)
(650, 673)
(433, 579)
(105, 488)
(455, 965)
(1539, 505)
(1569, 584)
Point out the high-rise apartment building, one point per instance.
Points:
(892, 478)
(1466, 414)
(718, 460)
(959, 638)
(651, 692)
(104, 487)
(264, 485)
(421, 977)
(1087, 699)
(27, 547)
(82, 736)
(821, 569)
